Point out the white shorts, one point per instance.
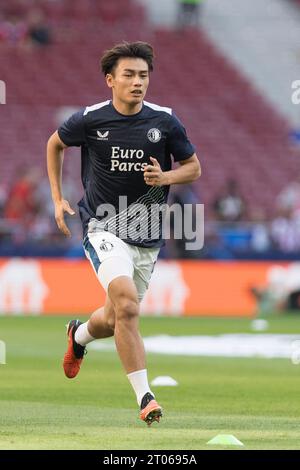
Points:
(111, 257)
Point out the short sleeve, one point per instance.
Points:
(179, 144)
(72, 131)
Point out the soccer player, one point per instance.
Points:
(126, 147)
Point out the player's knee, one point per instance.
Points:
(127, 310)
(109, 315)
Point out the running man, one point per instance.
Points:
(126, 147)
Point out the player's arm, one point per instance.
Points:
(55, 156)
(188, 171)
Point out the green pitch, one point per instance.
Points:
(257, 400)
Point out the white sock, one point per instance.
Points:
(139, 382)
(82, 335)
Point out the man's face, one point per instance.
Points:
(129, 80)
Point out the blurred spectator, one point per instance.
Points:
(289, 198)
(229, 206)
(27, 221)
(38, 30)
(188, 13)
(13, 30)
(260, 238)
(21, 206)
(285, 231)
(18, 28)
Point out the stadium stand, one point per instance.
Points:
(237, 133)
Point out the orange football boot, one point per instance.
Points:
(150, 409)
(75, 352)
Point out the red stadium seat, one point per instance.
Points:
(235, 131)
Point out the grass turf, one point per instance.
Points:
(255, 399)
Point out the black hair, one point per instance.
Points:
(139, 49)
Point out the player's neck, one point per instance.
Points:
(126, 109)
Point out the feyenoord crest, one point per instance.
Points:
(154, 135)
(106, 246)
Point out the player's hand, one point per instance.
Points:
(60, 208)
(153, 174)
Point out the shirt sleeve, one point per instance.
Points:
(180, 146)
(72, 131)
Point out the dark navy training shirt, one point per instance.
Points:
(115, 149)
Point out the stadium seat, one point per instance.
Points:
(235, 131)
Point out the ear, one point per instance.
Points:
(109, 80)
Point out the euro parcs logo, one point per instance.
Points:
(2, 92)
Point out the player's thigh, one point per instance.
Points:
(109, 256)
(143, 269)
